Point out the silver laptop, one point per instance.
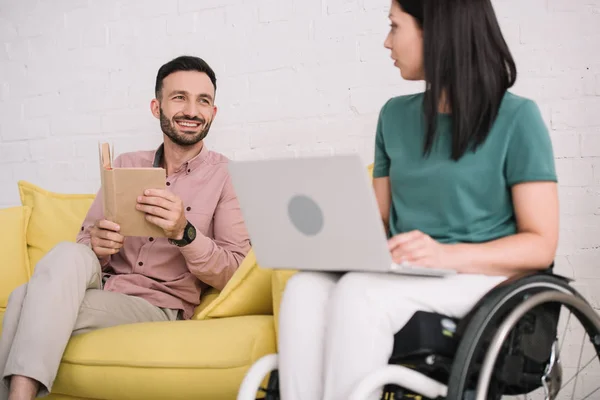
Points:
(315, 214)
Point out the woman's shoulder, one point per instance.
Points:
(410, 102)
(513, 105)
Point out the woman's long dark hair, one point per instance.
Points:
(467, 60)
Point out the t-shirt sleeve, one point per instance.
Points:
(530, 156)
(381, 167)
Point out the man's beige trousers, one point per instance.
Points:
(64, 297)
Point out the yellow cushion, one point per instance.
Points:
(14, 264)
(248, 292)
(165, 360)
(207, 297)
(55, 217)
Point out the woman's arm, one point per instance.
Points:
(530, 173)
(532, 247)
(384, 198)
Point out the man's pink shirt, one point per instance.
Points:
(164, 274)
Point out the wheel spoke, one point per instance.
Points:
(506, 315)
(578, 365)
(576, 374)
(565, 332)
(591, 393)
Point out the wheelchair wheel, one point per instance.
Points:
(251, 385)
(272, 389)
(492, 360)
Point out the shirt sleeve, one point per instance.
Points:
(381, 166)
(214, 261)
(530, 156)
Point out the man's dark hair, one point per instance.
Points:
(183, 63)
(467, 58)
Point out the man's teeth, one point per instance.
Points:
(190, 124)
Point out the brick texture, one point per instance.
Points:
(81, 71)
(296, 77)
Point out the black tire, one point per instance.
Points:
(484, 322)
(272, 392)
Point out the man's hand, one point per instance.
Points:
(417, 248)
(165, 210)
(105, 238)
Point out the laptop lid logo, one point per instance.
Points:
(306, 215)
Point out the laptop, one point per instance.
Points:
(315, 213)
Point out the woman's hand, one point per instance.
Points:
(417, 248)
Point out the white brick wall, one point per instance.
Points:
(296, 77)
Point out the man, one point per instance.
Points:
(106, 279)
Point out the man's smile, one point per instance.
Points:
(188, 124)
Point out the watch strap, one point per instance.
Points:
(189, 234)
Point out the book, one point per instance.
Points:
(120, 190)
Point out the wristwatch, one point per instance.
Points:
(189, 234)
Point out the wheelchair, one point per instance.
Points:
(508, 345)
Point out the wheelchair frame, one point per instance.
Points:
(545, 288)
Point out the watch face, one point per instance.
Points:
(191, 232)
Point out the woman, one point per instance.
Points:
(464, 177)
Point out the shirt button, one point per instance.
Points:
(140, 263)
(151, 239)
(168, 183)
(189, 209)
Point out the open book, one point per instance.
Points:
(120, 189)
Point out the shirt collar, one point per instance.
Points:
(189, 165)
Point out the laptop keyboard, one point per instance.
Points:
(417, 270)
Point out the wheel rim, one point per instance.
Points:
(475, 341)
(574, 304)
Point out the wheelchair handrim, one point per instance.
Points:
(511, 321)
(474, 342)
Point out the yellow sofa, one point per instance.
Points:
(204, 358)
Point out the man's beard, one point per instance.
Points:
(183, 139)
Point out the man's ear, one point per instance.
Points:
(215, 109)
(155, 108)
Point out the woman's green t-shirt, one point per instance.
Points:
(469, 200)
